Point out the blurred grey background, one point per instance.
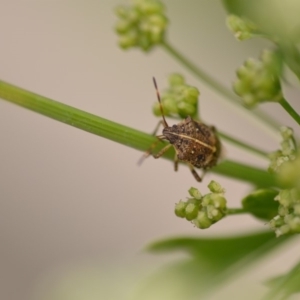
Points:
(75, 209)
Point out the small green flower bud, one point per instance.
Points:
(284, 198)
(128, 40)
(215, 187)
(170, 106)
(202, 221)
(207, 199)
(241, 87)
(219, 202)
(286, 132)
(282, 211)
(243, 29)
(297, 209)
(190, 95)
(195, 193)
(122, 26)
(252, 64)
(284, 229)
(214, 214)
(180, 209)
(144, 42)
(156, 109)
(185, 109)
(191, 211)
(276, 222)
(148, 7)
(294, 224)
(176, 79)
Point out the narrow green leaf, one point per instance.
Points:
(210, 261)
(285, 285)
(219, 252)
(261, 204)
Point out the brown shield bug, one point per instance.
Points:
(195, 143)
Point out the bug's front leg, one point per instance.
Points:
(162, 151)
(157, 127)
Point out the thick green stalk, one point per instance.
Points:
(289, 109)
(218, 87)
(117, 132)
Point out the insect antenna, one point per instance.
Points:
(165, 124)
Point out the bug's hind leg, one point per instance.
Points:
(195, 174)
(148, 152)
(151, 148)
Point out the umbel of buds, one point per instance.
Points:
(288, 218)
(141, 25)
(258, 80)
(285, 163)
(203, 211)
(179, 100)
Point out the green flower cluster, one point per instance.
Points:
(288, 218)
(142, 24)
(287, 151)
(286, 164)
(179, 100)
(258, 80)
(243, 29)
(205, 210)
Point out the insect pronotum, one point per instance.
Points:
(195, 143)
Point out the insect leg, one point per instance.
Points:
(162, 151)
(157, 127)
(195, 174)
(175, 162)
(149, 151)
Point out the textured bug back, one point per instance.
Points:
(194, 142)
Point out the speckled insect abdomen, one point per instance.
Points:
(194, 142)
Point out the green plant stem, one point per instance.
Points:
(215, 85)
(236, 211)
(289, 109)
(243, 145)
(201, 74)
(117, 132)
